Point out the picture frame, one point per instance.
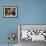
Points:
(10, 11)
(37, 29)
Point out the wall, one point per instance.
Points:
(7, 25)
(29, 12)
(32, 11)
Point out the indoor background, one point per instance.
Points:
(29, 12)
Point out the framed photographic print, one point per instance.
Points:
(10, 11)
(33, 32)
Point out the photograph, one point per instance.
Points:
(32, 32)
(10, 11)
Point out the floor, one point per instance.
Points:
(7, 45)
(30, 43)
